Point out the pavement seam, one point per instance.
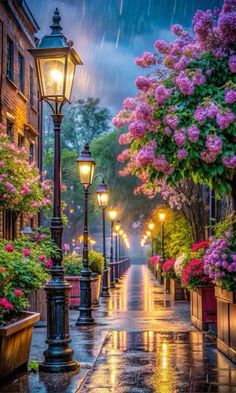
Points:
(93, 365)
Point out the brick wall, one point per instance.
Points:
(15, 105)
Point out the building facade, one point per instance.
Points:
(19, 108)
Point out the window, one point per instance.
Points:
(21, 68)
(10, 131)
(20, 141)
(10, 59)
(31, 152)
(31, 86)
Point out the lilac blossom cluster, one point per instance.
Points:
(146, 60)
(220, 261)
(146, 155)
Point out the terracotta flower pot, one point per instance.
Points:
(176, 291)
(95, 288)
(203, 307)
(226, 322)
(74, 300)
(15, 342)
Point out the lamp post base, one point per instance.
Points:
(84, 321)
(59, 367)
(106, 283)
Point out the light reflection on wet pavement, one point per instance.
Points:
(143, 343)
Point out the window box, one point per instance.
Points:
(203, 307)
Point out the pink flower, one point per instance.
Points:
(6, 304)
(18, 292)
(179, 137)
(129, 103)
(9, 248)
(125, 139)
(229, 161)
(232, 63)
(146, 60)
(182, 154)
(10, 187)
(146, 155)
(26, 252)
(214, 144)
(230, 96)
(137, 129)
(161, 94)
(1, 163)
(48, 263)
(42, 257)
(162, 46)
(193, 133)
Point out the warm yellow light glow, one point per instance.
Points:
(162, 216)
(151, 225)
(71, 210)
(145, 237)
(117, 227)
(148, 233)
(56, 75)
(85, 169)
(121, 232)
(113, 214)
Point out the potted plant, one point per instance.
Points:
(202, 295)
(20, 275)
(73, 265)
(168, 273)
(154, 265)
(96, 264)
(176, 290)
(220, 265)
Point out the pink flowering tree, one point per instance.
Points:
(181, 124)
(20, 187)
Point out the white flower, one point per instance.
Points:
(179, 265)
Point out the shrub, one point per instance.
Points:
(96, 262)
(73, 264)
(168, 268)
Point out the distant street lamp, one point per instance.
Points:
(103, 199)
(151, 226)
(113, 215)
(86, 167)
(55, 61)
(162, 217)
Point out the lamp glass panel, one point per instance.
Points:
(69, 77)
(52, 77)
(103, 198)
(86, 171)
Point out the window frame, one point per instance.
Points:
(21, 72)
(10, 59)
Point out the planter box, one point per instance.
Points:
(38, 303)
(74, 300)
(176, 291)
(95, 289)
(226, 322)
(166, 285)
(15, 342)
(203, 307)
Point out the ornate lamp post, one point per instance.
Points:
(103, 199)
(113, 215)
(117, 266)
(162, 217)
(85, 167)
(121, 231)
(55, 61)
(151, 226)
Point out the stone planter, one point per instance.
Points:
(95, 288)
(203, 307)
(74, 300)
(226, 322)
(176, 291)
(38, 303)
(15, 342)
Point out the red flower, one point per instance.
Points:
(168, 265)
(154, 260)
(18, 292)
(199, 245)
(9, 247)
(48, 263)
(26, 252)
(6, 304)
(42, 257)
(194, 270)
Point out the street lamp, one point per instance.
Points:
(55, 61)
(162, 217)
(151, 226)
(113, 215)
(85, 167)
(103, 199)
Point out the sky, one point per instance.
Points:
(109, 34)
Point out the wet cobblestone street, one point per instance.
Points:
(142, 343)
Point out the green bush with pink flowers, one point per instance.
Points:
(24, 266)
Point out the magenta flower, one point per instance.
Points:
(48, 263)
(9, 248)
(129, 103)
(230, 96)
(193, 133)
(146, 60)
(26, 252)
(42, 257)
(137, 129)
(18, 292)
(182, 154)
(6, 304)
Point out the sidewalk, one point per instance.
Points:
(142, 342)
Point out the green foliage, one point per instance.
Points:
(23, 269)
(96, 262)
(227, 224)
(72, 264)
